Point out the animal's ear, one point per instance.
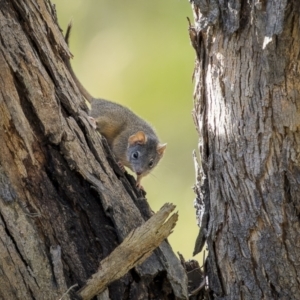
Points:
(138, 138)
(92, 122)
(161, 149)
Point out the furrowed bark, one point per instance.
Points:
(247, 115)
(64, 203)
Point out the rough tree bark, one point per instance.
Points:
(247, 111)
(64, 204)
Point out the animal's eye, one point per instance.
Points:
(151, 163)
(135, 155)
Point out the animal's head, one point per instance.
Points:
(144, 153)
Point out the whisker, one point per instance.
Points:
(153, 175)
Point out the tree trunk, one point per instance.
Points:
(65, 205)
(247, 99)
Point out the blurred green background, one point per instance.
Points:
(138, 53)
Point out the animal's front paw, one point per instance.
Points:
(138, 182)
(139, 186)
(121, 166)
(92, 122)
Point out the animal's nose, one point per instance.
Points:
(139, 173)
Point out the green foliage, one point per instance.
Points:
(138, 53)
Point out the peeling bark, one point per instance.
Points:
(248, 118)
(64, 203)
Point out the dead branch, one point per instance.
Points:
(135, 248)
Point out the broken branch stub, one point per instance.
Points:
(136, 247)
